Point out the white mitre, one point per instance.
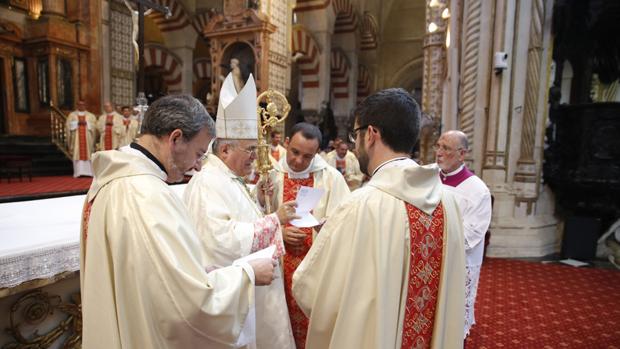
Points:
(236, 113)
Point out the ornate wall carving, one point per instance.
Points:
(279, 48)
(121, 55)
(433, 77)
(37, 309)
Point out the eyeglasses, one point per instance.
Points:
(445, 149)
(249, 150)
(353, 134)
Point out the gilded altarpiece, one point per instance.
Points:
(240, 29)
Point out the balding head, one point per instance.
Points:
(108, 107)
(450, 150)
(459, 137)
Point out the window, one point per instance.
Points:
(64, 83)
(43, 80)
(20, 85)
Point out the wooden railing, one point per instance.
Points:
(58, 121)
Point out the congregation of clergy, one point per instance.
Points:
(394, 261)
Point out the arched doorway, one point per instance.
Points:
(154, 84)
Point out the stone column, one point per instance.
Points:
(433, 77)
(525, 176)
(181, 43)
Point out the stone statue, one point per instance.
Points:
(237, 75)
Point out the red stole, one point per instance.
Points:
(126, 122)
(85, 216)
(275, 153)
(107, 136)
(82, 138)
(291, 260)
(426, 236)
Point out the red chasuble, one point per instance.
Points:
(291, 260)
(426, 235)
(82, 137)
(107, 137)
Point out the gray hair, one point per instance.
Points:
(218, 143)
(173, 112)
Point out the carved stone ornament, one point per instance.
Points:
(33, 310)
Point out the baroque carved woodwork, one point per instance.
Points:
(38, 309)
(582, 160)
(239, 27)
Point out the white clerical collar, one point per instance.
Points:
(453, 172)
(81, 113)
(339, 158)
(297, 175)
(386, 164)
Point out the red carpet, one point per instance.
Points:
(546, 306)
(44, 185)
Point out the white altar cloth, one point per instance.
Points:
(41, 238)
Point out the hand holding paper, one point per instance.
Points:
(307, 199)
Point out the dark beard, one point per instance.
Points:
(363, 158)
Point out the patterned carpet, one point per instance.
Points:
(546, 306)
(44, 185)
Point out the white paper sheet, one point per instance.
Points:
(264, 253)
(248, 332)
(307, 199)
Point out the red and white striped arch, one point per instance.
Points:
(200, 21)
(340, 67)
(310, 5)
(346, 18)
(178, 20)
(202, 68)
(309, 63)
(369, 33)
(363, 83)
(157, 56)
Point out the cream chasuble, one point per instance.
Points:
(81, 131)
(353, 284)
(230, 224)
(131, 131)
(111, 130)
(352, 173)
(142, 276)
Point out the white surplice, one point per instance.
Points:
(474, 201)
(353, 282)
(225, 214)
(142, 276)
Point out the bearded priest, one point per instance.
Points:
(230, 219)
(387, 270)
